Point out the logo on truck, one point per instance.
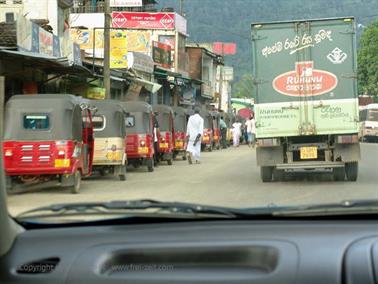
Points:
(305, 81)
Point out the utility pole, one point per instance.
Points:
(2, 100)
(182, 7)
(221, 80)
(106, 73)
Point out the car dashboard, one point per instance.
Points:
(260, 251)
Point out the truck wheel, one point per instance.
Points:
(338, 174)
(351, 171)
(75, 188)
(122, 176)
(150, 164)
(266, 174)
(278, 175)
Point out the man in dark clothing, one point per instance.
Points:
(223, 128)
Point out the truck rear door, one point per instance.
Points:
(304, 78)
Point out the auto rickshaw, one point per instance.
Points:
(216, 129)
(110, 138)
(207, 137)
(180, 132)
(47, 138)
(166, 137)
(139, 133)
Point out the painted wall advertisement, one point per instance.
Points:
(118, 49)
(45, 42)
(161, 54)
(126, 3)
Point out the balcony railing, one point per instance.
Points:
(100, 9)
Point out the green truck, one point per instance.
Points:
(306, 106)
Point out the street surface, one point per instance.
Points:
(227, 178)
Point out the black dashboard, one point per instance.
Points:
(284, 251)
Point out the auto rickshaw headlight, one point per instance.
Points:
(61, 153)
(142, 143)
(8, 153)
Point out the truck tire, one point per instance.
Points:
(75, 188)
(150, 164)
(278, 175)
(351, 171)
(266, 174)
(338, 174)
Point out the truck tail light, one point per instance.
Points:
(347, 139)
(270, 142)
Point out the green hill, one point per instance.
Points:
(229, 20)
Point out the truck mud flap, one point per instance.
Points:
(269, 156)
(347, 152)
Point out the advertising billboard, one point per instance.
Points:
(143, 20)
(118, 49)
(126, 3)
(161, 54)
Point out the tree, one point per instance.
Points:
(368, 61)
(243, 88)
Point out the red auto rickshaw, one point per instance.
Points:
(180, 132)
(139, 134)
(165, 118)
(47, 138)
(216, 129)
(208, 136)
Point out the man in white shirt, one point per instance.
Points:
(194, 133)
(251, 130)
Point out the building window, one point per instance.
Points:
(19, 2)
(9, 17)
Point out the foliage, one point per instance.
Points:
(230, 20)
(368, 61)
(243, 88)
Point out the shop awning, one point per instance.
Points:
(149, 86)
(50, 64)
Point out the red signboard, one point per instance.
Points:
(305, 81)
(161, 54)
(223, 48)
(137, 20)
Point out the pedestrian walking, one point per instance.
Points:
(194, 133)
(156, 139)
(223, 128)
(251, 130)
(236, 132)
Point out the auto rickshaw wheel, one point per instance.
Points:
(170, 162)
(150, 164)
(75, 188)
(184, 157)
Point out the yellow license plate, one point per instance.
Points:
(309, 153)
(62, 163)
(206, 138)
(163, 145)
(143, 150)
(179, 144)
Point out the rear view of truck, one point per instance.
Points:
(306, 97)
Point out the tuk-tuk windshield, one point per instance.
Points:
(180, 121)
(130, 121)
(36, 121)
(99, 122)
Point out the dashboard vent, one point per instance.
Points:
(42, 266)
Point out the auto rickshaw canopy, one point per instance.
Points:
(207, 118)
(44, 117)
(165, 117)
(139, 117)
(180, 119)
(109, 120)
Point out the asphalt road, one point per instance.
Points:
(227, 178)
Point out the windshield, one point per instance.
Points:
(227, 103)
(373, 115)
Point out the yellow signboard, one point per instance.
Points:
(118, 49)
(84, 38)
(96, 93)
